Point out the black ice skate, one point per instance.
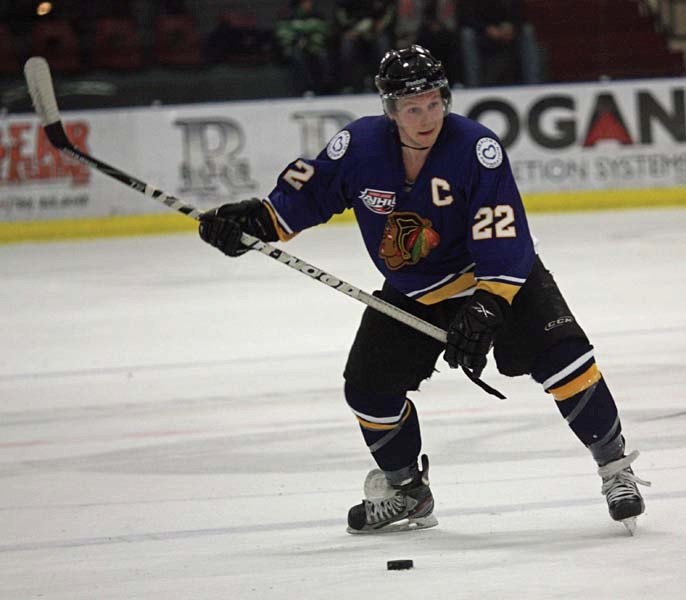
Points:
(389, 508)
(619, 487)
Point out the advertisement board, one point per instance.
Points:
(622, 139)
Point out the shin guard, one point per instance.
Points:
(569, 373)
(389, 425)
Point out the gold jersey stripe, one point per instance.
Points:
(576, 385)
(383, 426)
(284, 236)
(462, 283)
(504, 290)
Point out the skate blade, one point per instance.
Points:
(630, 524)
(404, 525)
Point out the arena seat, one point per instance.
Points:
(177, 41)
(117, 45)
(9, 60)
(56, 40)
(588, 39)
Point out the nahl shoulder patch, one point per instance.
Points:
(489, 153)
(338, 145)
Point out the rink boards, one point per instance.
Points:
(592, 146)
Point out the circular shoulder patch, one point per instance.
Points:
(338, 145)
(489, 153)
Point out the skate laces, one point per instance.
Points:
(619, 481)
(385, 503)
(386, 509)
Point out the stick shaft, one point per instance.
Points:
(42, 92)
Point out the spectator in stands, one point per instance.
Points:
(433, 25)
(365, 33)
(407, 21)
(498, 45)
(438, 33)
(19, 17)
(173, 7)
(304, 41)
(237, 40)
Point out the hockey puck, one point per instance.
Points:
(399, 565)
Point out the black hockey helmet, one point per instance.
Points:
(410, 72)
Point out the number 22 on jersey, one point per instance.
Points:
(494, 221)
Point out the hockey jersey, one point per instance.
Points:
(459, 226)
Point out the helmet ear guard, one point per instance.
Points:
(410, 72)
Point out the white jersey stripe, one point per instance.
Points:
(432, 286)
(518, 280)
(441, 282)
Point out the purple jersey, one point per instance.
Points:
(459, 226)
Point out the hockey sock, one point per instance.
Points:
(569, 373)
(389, 425)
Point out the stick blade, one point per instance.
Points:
(39, 80)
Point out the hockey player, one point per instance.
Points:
(443, 221)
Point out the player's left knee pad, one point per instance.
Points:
(389, 425)
(568, 372)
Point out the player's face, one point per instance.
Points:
(420, 118)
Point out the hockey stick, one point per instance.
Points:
(39, 81)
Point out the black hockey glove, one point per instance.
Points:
(470, 335)
(222, 227)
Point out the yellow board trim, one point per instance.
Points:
(24, 231)
(576, 385)
(21, 231)
(593, 200)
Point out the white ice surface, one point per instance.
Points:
(172, 425)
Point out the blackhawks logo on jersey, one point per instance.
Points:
(407, 238)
